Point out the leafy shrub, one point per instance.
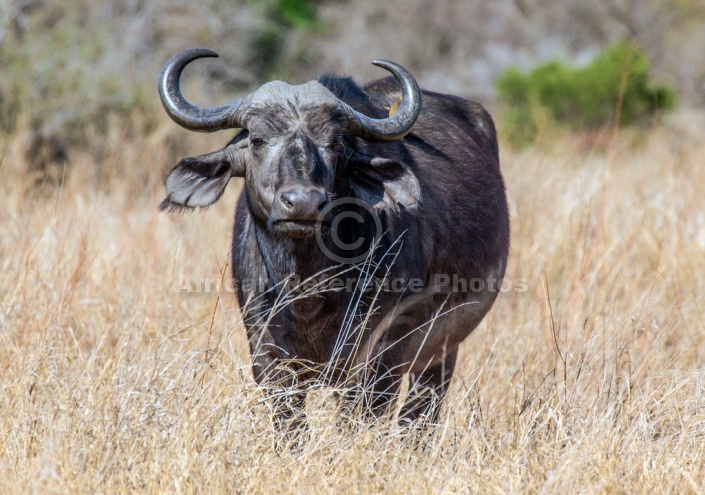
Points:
(582, 98)
(280, 18)
(299, 14)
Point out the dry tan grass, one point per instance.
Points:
(591, 381)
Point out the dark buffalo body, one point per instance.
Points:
(336, 188)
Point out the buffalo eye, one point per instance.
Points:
(256, 142)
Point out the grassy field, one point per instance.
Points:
(114, 380)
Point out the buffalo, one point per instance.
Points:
(371, 235)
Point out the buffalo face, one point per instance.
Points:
(294, 139)
(293, 151)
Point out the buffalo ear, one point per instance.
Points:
(201, 181)
(384, 183)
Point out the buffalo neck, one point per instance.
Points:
(285, 256)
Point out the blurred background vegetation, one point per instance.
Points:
(614, 88)
(79, 77)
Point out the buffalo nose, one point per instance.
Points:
(302, 204)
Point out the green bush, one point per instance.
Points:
(281, 17)
(581, 98)
(298, 14)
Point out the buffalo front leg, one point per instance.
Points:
(376, 389)
(427, 391)
(281, 383)
(288, 408)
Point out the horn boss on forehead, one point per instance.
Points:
(200, 119)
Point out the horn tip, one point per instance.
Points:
(380, 62)
(202, 53)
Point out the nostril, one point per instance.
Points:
(322, 201)
(287, 198)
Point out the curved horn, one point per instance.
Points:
(181, 111)
(396, 126)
